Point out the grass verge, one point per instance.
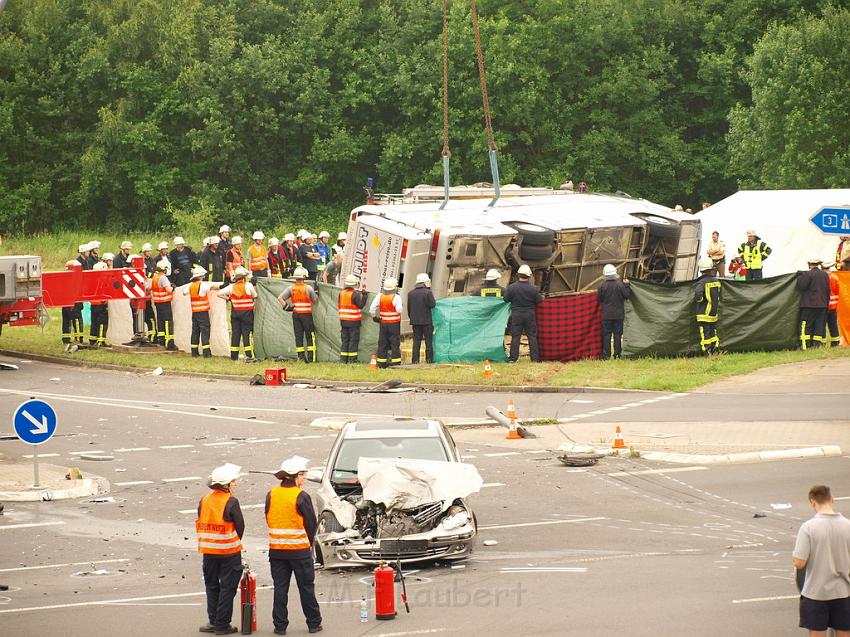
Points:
(659, 374)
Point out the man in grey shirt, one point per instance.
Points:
(823, 550)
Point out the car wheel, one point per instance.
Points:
(535, 253)
(532, 234)
(661, 227)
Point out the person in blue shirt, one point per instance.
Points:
(323, 247)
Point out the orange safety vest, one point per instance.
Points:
(239, 297)
(300, 299)
(348, 311)
(388, 313)
(237, 260)
(833, 291)
(199, 303)
(159, 294)
(259, 260)
(216, 536)
(286, 525)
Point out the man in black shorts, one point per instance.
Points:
(823, 551)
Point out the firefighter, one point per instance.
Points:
(122, 259)
(233, 258)
(94, 253)
(83, 256)
(108, 259)
(350, 307)
(814, 301)
(309, 257)
(420, 302)
(241, 294)
(292, 526)
(612, 295)
(182, 258)
(290, 254)
(386, 309)
(258, 258)
(163, 251)
(707, 297)
(491, 285)
(299, 299)
(339, 246)
(150, 270)
(99, 317)
(161, 294)
(198, 291)
(324, 249)
(832, 308)
(754, 251)
(212, 260)
(219, 528)
(276, 259)
(72, 317)
(224, 239)
(523, 297)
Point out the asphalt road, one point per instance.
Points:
(627, 547)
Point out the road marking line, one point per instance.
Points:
(256, 441)
(37, 568)
(28, 525)
(176, 446)
(155, 604)
(80, 453)
(220, 444)
(538, 451)
(303, 437)
(504, 453)
(424, 631)
(133, 483)
(186, 479)
(843, 497)
(544, 523)
(752, 600)
(246, 506)
(545, 569)
(581, 402)
(492, 484)
(652, 471)
(56, 455)
(132, 449)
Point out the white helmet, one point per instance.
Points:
(293, 466)
(609, 271)
(237, 240)
(706, 264)
(178, 241)
(342, 237)
(492, 275)
(126, 245)
(147, 247)
(352, 280)
(324, 233)
(215, 240)
(198, 272)
(289, 237)
(206, 241)
(240, 272)
(224, 228)
(423, 278)
(84, 247)
(303, 232)
(100, 265)
(94, 245)
(274, 241)
(258, 235)
(300, 273)
(390, 284)
(814, 259)
(163, 265)
(524, 270)
(225, 474)
(163, 245)
(108, 256)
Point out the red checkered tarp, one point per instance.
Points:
(569, 328)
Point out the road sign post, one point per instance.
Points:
(833, 220)
(35, 423)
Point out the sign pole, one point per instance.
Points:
(35, 466)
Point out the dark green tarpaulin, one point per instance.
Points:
(470, 328)
(274, 336)
(754, 316)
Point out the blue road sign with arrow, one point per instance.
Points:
(35, 422)
(833, 220)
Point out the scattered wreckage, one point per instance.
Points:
(394, 489)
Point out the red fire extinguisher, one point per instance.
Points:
(384, 592)
(248, 588)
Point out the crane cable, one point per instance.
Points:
(485, 99)
(447, 153)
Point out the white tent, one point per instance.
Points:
(781, 218)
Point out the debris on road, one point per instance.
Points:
(490, 542)
(55, 380)
(109, 499)
(157, 372)
(780, 507)
(92, 456)
(74, 474)
(502, 419)
(578, 455)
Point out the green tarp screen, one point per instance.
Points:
(469, 328)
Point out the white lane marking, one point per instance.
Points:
(107, 602)
(752, 600)
(538, 451)
(29, 525)
(243, 507)
(581, 401)
(544, 523)
(220, 444)
(155, 604)
(37, 568)
(176, 446)
(303, 437)
(259, 440)
(545, 569)
(133, 483)
(56, 455)
(843, 497)
(80, 453)
(106, 402)
(423, 631)
(492, 484)
(126, 449)
(185, 511)
(186, 479)
(504, 453)
(651, 471)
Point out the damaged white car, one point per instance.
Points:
(394, 489)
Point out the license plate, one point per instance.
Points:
(403, 546)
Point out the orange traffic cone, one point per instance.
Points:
(619, 443)
(373, 362)
(488, 369)
(513, 434)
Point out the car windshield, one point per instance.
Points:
(350, 451)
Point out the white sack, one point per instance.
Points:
(181, 308)
(120, 322)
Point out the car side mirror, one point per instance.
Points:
(315, 475)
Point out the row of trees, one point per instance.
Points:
(149, 113)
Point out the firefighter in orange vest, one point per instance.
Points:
(198, 291)
(219, 528)
(292, 530)
(832, 308)
(350, 306)
(299, 299)
(233, 259)
(386, 309)
(161, 294)
(258, 257)
(241, 294)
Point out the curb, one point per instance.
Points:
(738, 458)
(331, 384)
(83, 488)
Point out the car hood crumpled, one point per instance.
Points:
(407, 484)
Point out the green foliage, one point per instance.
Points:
(140, 114)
